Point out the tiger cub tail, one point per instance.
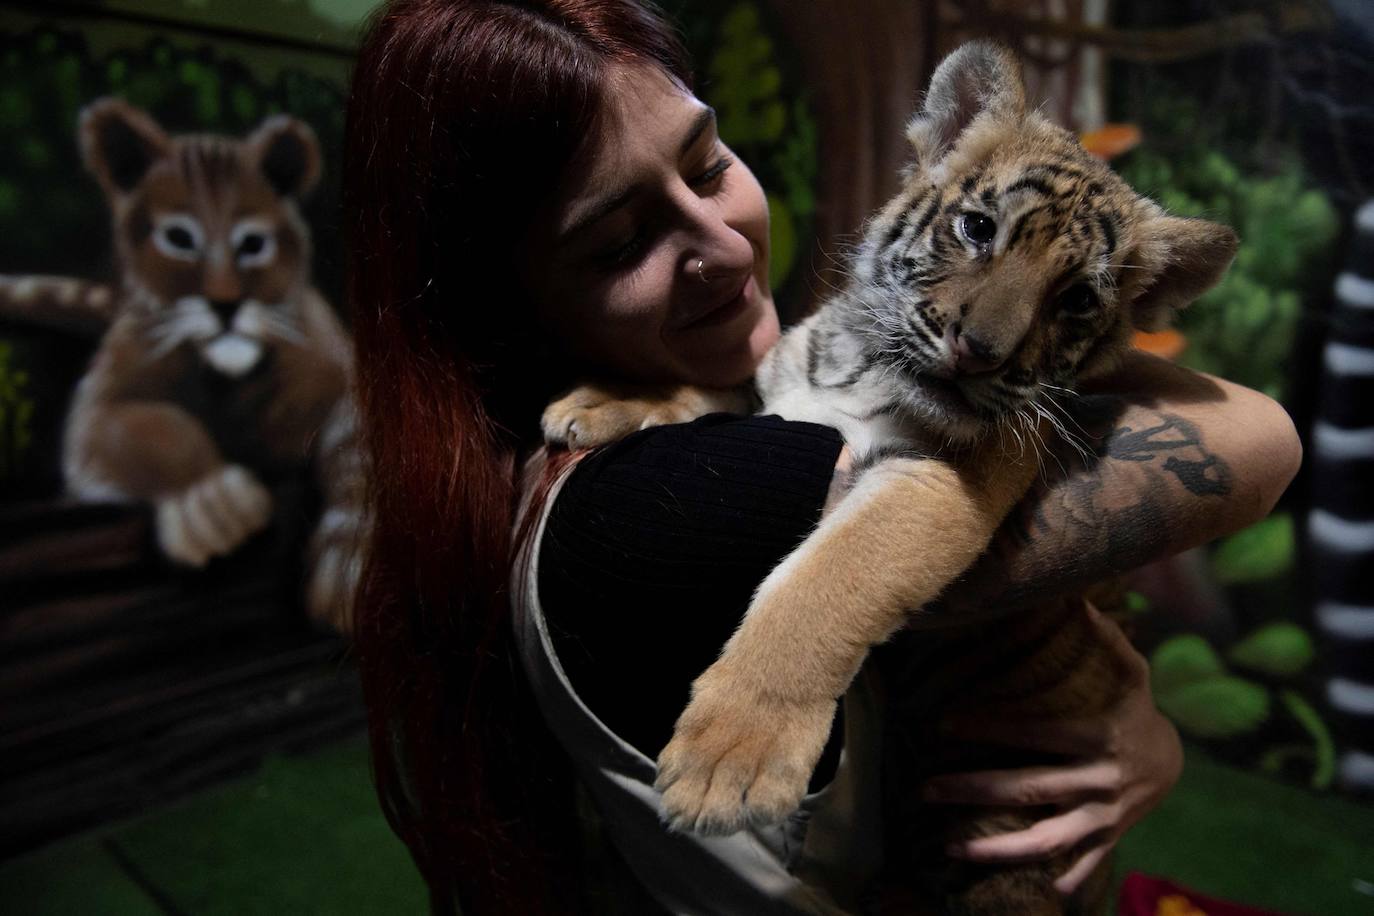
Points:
(66, 304)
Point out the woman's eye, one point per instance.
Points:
(1078, 299)
(716, 170)
(977, 228)
(624, 254)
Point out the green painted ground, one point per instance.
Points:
(304, 836)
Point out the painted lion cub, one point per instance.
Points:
(222, 365)
(1011, 264)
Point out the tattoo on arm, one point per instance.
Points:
(1112, 512)
(1203, 473)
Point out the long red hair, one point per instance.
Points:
(463, 117)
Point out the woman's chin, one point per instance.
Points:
(731, 360)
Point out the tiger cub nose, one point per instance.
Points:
(971, 355)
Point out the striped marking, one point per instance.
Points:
(1332, 441)
(1355, 291)
(1344, 359)
(1357, 769)
(1346, 620)
(1364, 217)
(1335, 533)
(1350, 696)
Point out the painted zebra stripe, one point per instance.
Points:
(1350, 696)
(1335, 533)
(1357, 768)
(1346, 620)
(1331, 441)
(1343, 359)
(1355, 291)
(1364, 217)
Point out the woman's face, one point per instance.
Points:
(653, 264)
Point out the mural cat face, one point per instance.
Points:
(210, 241)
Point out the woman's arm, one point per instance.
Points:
(1175, 460)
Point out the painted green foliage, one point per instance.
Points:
(16, 411)
(1195, 688)
(769, 126)
(1259, 553)
(52, 217)
(1244, 328)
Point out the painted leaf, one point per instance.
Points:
(1183, 660)
(1216, 707)
(1279, 650)
(1262, 551)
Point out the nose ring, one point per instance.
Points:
(700, 265)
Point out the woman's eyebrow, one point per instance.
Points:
(598, 211)
(704, 119)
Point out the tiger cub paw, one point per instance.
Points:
(212, 516)
(738, 758)
(592, 415)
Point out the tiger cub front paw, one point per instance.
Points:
(592, 415)
(738, 757)
(212, 516)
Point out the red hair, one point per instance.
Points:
(462, 120)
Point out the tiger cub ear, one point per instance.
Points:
(980, 77)
(1180, 259)
(286, 151)
(119, 143)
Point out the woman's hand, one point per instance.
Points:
(1126, 761)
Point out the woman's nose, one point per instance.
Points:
(720, 261)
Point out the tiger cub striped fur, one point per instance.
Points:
(219, 364)
(1011, 265)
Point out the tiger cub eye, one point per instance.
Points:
(1078, 299)
(977, 228)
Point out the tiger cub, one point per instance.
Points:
(1011, 264)
(219, 364)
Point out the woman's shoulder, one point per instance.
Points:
(709, 477)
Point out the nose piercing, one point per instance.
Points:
(700, 265)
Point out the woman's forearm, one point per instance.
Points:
(1175, 460)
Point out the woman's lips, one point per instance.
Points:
(725, 311)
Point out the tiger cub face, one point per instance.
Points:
(1014, 263)
(212, 248)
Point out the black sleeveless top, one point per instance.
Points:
(654, 547)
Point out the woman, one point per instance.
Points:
(534, 195)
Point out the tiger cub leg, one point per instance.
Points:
(157, 452)
(746, 744)
(1045, 664)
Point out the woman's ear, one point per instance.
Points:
(119, 143)
(1181, 259)
(978, 78)
(286, 151)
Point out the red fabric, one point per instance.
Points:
(1142, 895)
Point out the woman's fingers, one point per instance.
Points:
(1042, 840)
(1027, 786)
(1070, 881)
